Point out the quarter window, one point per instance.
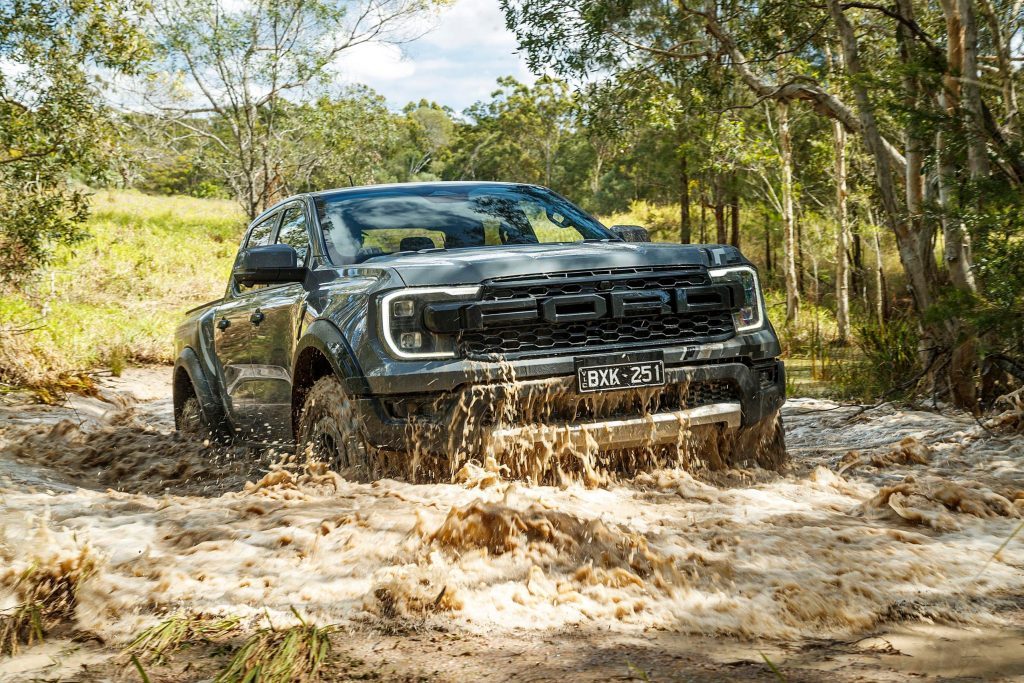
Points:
(263, 233)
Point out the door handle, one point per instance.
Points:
(223, 324)
(257, 317)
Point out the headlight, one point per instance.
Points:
(751, 314)
(401, 316)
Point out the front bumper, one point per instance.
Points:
(758, 391)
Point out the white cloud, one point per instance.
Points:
(373, 63)
(471, 24)
(456, 63)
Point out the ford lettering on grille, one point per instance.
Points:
(571, 308)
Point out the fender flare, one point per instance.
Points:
(209, 402)
(324, 336)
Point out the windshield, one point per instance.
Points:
(375, 222)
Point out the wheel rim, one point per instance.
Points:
(328, 445)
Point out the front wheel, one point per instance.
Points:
(329, 431)
(191, 421)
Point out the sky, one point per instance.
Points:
(455, 64)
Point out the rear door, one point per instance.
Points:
(232, 338)
(278, 316)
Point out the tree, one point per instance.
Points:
(518, 135)
(234, 65)
(897, 81)
(339, 141)
(52, 118)
(430, 133)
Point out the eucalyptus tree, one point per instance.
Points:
(52, 118)
(225, 67)
(903, 84)
(519, 134)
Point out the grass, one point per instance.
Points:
(156, 643)
(117, 297)
(47, 599)
(280, 656)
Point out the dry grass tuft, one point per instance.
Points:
(46, 599)
(156, 643)
(280, 656)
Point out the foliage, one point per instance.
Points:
(888, 365)
(225, 72)
(52, 118)
(117, 295)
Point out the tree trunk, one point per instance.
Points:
(800, 271)
(1004, 62)
(721, 230)
(703, 217)
(842, 236)
(788, 227)
(880, 299)
(842, 225)
(734, 237)
(684, 202)
(977, 154)
(767, 242)
(919, 276)
(914, 150)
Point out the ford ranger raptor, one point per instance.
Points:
(382, 324)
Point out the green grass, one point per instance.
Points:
(271, 655)
(117, 297)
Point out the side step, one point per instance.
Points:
(660, 428)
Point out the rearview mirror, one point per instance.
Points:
(268, 265)
(631, 233)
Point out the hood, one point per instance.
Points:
(472, 266)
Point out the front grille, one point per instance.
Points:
(540, 338)
(641, 331)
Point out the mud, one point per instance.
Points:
(883, 530)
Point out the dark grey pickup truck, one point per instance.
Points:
(458, 320)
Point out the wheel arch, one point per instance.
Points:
(323, 350)
(189, 378)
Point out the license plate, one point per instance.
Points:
(611, 376)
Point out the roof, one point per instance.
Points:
(437, 184)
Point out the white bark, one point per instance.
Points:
(788, 224)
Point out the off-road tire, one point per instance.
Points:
(190, 421)
(329, 431)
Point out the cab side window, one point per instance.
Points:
(293, 232)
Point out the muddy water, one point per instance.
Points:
(885, 519)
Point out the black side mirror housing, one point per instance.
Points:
(267, 265)
(631, 233)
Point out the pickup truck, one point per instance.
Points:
(398, 323)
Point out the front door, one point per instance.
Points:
(273, 345)
(232, 337)
(275, 334)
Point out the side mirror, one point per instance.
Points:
(268, 265)
(631, 233)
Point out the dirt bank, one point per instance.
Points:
(872, 558)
